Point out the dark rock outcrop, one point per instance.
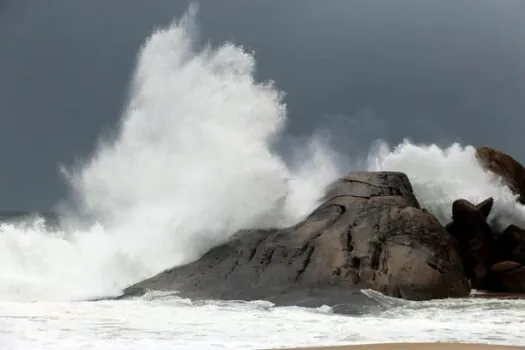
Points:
(511, 244)
(485, 207)
(369, 232)
(508, 277)
(503, 165)
(508, 274)
(494, 263)
(470, 228)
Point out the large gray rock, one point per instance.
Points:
(369, 232)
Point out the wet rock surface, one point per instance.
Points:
(470, 228)
(369, 232)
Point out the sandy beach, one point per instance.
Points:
(415, 346)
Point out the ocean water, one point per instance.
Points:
(192, 161)
(167, 322)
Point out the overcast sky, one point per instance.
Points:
(435, 71)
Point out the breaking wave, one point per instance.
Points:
(441, 175)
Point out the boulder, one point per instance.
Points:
(508, 274)
(368, 232)
(503, 165)
(469, 226)
(511, 244)
(508, 277)
(495, 263)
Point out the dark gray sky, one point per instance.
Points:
(435, 71)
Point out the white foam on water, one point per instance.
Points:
(172, 323)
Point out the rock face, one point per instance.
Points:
(369, 232)
(501, 164)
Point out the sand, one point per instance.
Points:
(416, 346)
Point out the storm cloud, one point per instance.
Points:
(431, 71)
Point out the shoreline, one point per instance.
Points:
(412, 346)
